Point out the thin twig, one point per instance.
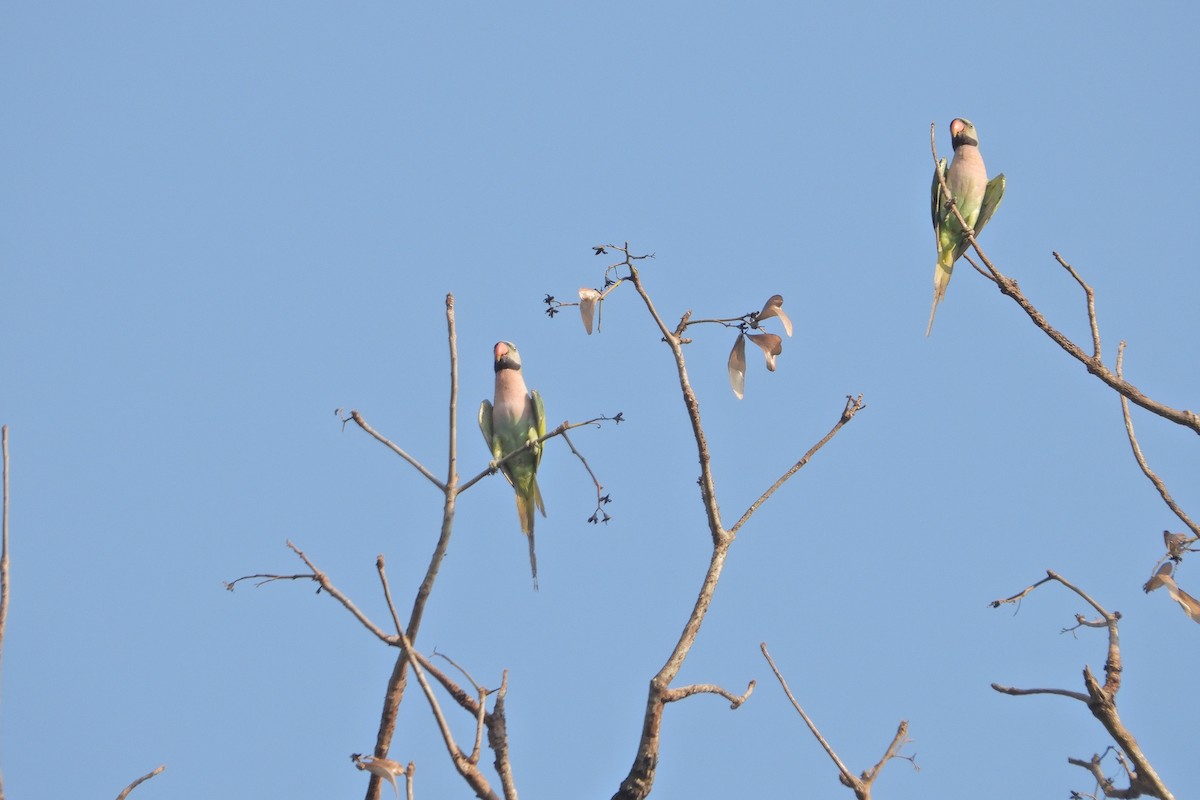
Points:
(1083, 698)
(1020, 594)
(601, 499)
(860, 785)
(561, 430)
(336, 594)
(395, 448)
(1141, 459)
(462, 762)
(842, 768)
(387, 591)
(452, 443)
(125, 792)
(735, 700)
(853, 406)
(480, 711)
(270, 578)
(1091, 307)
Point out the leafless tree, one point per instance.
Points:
(1100, 698)
(436, 686)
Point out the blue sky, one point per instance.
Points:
(222, 221)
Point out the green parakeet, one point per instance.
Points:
(515, 417)
(976, 197)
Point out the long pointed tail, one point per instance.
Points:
(529, 497)
(941, 279)
(532, 561)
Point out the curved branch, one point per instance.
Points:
(337, 594)
(1101, 700)
(1010, 690)
(1093, 364)
(139, 781)
(682, 692)
(1141, 459)
(860, 785)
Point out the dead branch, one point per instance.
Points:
(1141, 459)
(853, 406)
(1101, 699)
(1092, 363)
(125, 792)
(395, 448)
(639, 781)
(397, 681)
(861, 785)
(735, 700)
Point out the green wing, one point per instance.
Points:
(992, 196)
(539, 421)
(485, 425)
(935, 194)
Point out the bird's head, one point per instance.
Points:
(507, 356)
(963, 132)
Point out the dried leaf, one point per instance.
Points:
(589, 299)
(382, 767)
(774, 308)
(737, 367)
(1159, 579)
(771, 344)
(1189, 604)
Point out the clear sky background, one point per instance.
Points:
(221, 221)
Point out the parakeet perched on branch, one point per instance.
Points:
(976, 197)
(514, 418)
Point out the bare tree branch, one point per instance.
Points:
(735, 700)
(1093, 364)
(1083, 698)
(601, 498)
(1101, 699)
(395, 448)
(387, 590)
(1141, 459)
(337, 594)
(125, 792)
(561, 430)
(397, 681)
(853, 406)
(467, 768)
(639, 781)
(498, 740)
(861, 785)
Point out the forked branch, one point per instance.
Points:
(860, 784)
(1093, 362)
(640, 779)
(1101, 699)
